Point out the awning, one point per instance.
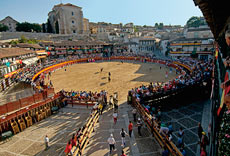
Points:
(30, 61)
(40, 57)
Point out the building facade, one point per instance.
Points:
(66, 19)
(197, 43)
(10, 23)
(147, 45)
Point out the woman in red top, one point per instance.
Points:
(123, 153)
(68, 148)
(130, 128)
(73, 141)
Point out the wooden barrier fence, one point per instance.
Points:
(76, 101)
(163, 141)
(84, 139)
(19, 114)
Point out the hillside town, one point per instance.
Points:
(67, 32)
(73, 86)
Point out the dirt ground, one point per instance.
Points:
(87, 77)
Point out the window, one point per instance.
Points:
(72, 13)
(73, 22)
(74, 31)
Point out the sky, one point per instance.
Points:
(139, 12)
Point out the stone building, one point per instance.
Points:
(86, 25)
(10, 23)
(66, 19)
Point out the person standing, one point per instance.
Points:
(134, 114)
(200, 130)
(130, 128)
(100, 108)
(111, 101)
(111, 142)
(139, 125)
(47, 142)
(165, 152)
(115, 117)
(123, 133)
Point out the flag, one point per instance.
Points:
(224, 92)
(216, 53)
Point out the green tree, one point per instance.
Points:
(156, 25)
(161, 26)
(136, 29)
(23, 39)
(44, 28)
(3, 27)
(195, 21)
(28, 27)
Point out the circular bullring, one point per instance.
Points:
(124, 76)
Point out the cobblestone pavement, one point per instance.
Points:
(59, 129)
(135, 146)
(187, 117)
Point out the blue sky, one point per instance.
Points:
(140, 12)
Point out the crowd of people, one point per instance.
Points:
(201, 72)
(86, 96)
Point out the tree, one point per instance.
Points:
(161, 26)
(28, 27)
(136, 29)
(3, 27)
(43, 27)
(156, 25)
(23, 39)
(195, 21)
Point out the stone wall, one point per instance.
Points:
(41, 36)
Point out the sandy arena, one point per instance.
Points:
(80, 77)
(124, 76)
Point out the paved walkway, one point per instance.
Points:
(135, 146)
(59, 129)
(188, 116)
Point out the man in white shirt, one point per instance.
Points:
(46, 142)
(111, 142)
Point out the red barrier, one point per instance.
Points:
(12, 106)
(50, 92)
(3, 109)
(38, 97)
(26, 101)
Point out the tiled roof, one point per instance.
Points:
(10, 52)
(25, 45)
(74, 43)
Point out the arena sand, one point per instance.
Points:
(124, 76)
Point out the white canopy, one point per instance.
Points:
(30, 60)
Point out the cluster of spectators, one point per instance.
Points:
(87, 96)
(201, 72)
